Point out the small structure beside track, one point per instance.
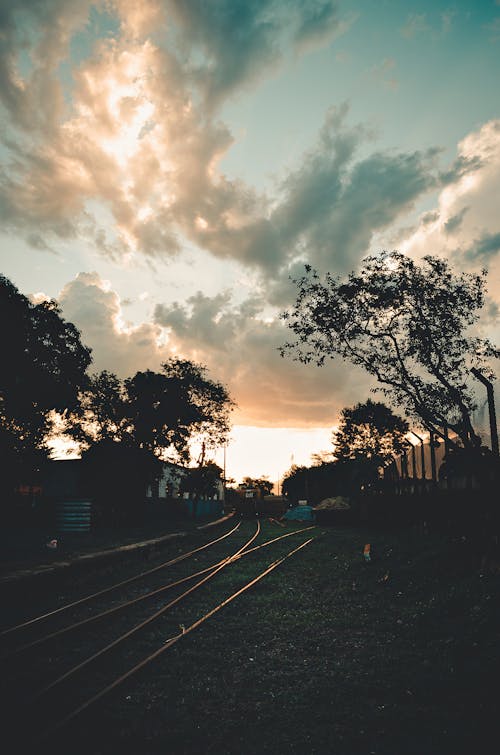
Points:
(250, 502)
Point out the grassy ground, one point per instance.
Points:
(22, 547)
(328, 654)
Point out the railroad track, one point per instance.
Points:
(41, 705)
(114, 586)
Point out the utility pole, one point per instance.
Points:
(422, 452)
(491, 408)
(432, 442)
(446, 438)
(224, 473)
(404, 466)
(414, 461)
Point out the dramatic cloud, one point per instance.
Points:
(129, 128)
(466, 224)
(237, 343)
(485, 247)
(239, 39)
(114, 137)
(240, 347)
(34, 100)
(91, 304)
(454, 222)
(140, 138)
(466, 218)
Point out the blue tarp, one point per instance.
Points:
(300, 514)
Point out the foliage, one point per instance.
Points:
(154, 411)
(370, 432)
(312, 484)
(407, 324)
(260, 483)
(20, 461)
(477, 462)
(102, 412)
(43, 369)
(168, 409)
(202, 481)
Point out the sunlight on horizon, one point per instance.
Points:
(251, 451)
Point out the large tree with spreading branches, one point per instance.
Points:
(157, 412)
(408, 324)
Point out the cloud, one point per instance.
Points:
(140, 139)
(133, 128)
(467, 204)
(485, 247)
(466, 225)
(35, 101)
(381, 73)
(416, 23)
(333, 204)
(228, 43)
(240, 347)
(140, 143)
(237, 342)
(454, 222)
(96, 310)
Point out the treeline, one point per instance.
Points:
(122, 427)
(368, 438)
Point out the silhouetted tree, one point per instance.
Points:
(260, 483)
(312, 483)
(166, 410)
(295, 483)
(153, 411)
(405, 323)
(371, 432)
(368, 438)
(202, 481)
(43, 369)
(102, 412)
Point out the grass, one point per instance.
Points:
(328, 654)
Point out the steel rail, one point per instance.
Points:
(168, 644)
(140, 598)
(124, 582)
(144, 623)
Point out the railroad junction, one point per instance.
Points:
(250, 637)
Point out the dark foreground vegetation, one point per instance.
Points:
(328, 654)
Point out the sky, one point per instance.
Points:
(166, 168)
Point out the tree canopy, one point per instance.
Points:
(370, 431)
(101, 414)
(43, 368)
(168, 409)
(202, 481)
(154, 411)
(406, 323)
(260, 483)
